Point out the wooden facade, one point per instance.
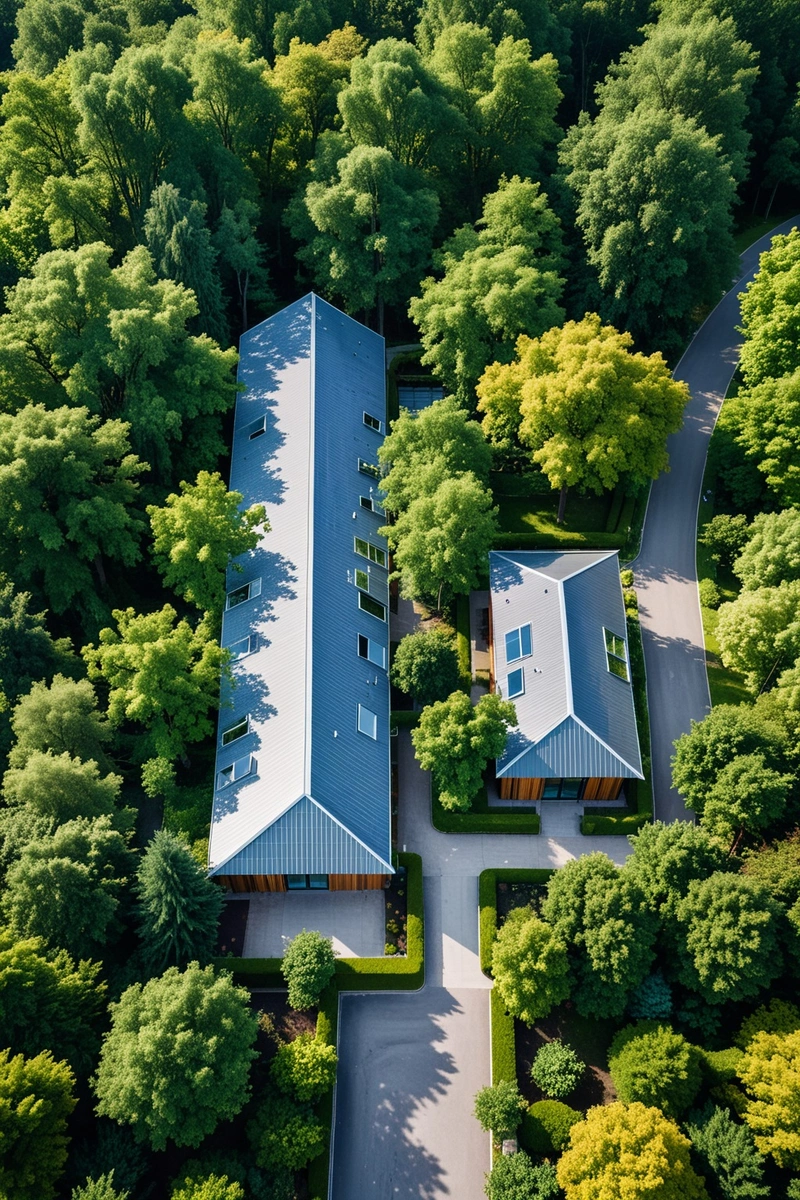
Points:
(533, 789)
(277, 883)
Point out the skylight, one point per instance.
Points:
(367, 550)
(243, 647)
(248, 591)
(372, 651)
(367, 722)
(515, 684)
(235, 731)
(519, 643)
(367, 604)
(236, 771)
(256, 428)
(616, 655)
(372, 422)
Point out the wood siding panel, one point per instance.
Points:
(602, 789)
(355, 883)
(253, 883)
(520, 789)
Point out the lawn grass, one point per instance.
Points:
(537, 514)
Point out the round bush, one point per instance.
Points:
(546, 1125)
(655, 1065)
(709, 593)
(556, 1069)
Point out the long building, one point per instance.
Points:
(302, 794)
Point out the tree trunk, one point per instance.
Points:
(562, 504)
(100, 569)
(439, 597)
(243, 290)
(769, 206)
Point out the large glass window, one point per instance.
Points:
(362, 580)
(247, 591)
(301, 883)
(367, 550)
(367, 604)
(519, 643)
(367, 722)
(372, 651)
(616, 655)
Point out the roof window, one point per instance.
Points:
(372, 422)
(236, 771)
(519, 643)
(616, 655)
(256, 428)
(367, 722)
(515, 684)
(247, 591)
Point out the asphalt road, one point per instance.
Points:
(666, 573)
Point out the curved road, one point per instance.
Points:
(666, 573)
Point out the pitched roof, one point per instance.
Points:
(575, 716)
(317, 799)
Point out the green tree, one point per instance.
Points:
(653, 194)
(617, 945)
(747, 798)
(564, 907)
(725, 536)
(46, 33)
(728, 1158)
(767, 414)
(308, 80)
(162, 674)
(771, 554)
(35, 1101)
(49, 1002)
(667, 857)
(442, 540)
(213, 1187)
(176, 1060)
(530, 967)
(515, 1177)
(241, 256)
(67, 492)
(67, 887)
(422, 451)
(770, 1071)
(197, 533)
(179, 907)
(305, 1068)
(728, 938)
(455, 741)
(499, 1109)
(507, 101)
(556, 1069)
(285, 1134)
(697, 67)
(590, 410)
(231, 92)
(499, 279)
(777, 868)
(62, 788)
(726, 734)
(62, 718)
(366, 233)
(308, 966)
(760, 631)
(115, 340)
(180, 245)
(629, 1149)
(425, 666)
(655, 1065)
(770, 313)
(101, 1188)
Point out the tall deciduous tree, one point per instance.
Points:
(455, 741)
(499, 1109)
(766, 418)
(590, 410)
(747, 798)
(771, 553)
(36, 1099)
(425, 666)
(529, 965)
(728, 938)
(771, 313)
(366, 231)
(308, 966)
(62, 718)
(617, 945)
(624, 1148)
(771, 1073)
(759, 632)
(168, 1096)
(655, 1065)
(442, 541)
(565, 904)
(667, 857)
(180, 244)
(62, 788)
(114, 339)
(728, 732)
(179, 907)
(67, 492)
(500, 279)
(197, 533)
(162, 673)
(654, 196)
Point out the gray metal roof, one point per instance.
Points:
(317, 799)
(576, 719)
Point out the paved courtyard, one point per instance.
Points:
(355, 921)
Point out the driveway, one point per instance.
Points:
(666, 573)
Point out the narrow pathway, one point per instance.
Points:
(666, 572)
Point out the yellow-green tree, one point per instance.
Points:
(628, 1150)
(770, 1071)
(587, 409)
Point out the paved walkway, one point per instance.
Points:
(666, 573)
(355, 921)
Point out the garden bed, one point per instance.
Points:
(589, 1039)
(396, 908)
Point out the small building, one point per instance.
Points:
(302, 795)
(559, 650)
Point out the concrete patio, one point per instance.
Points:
(355, 921)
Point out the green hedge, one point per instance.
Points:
(359, 974)
(463, 638)
(559, 541)
(487, 903)
(614, 822)
(482, 818)
(327, 1030)
(504, 1050)
(404, 718)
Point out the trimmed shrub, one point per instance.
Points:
(504, 1056)
(515, 1177)
(546, 1125)
(304, 1068)
(557, 1070)
(499, 1109)
(308, 967)
(710, 596)
(655, 1065)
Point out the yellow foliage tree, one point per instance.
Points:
(770, 1071)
